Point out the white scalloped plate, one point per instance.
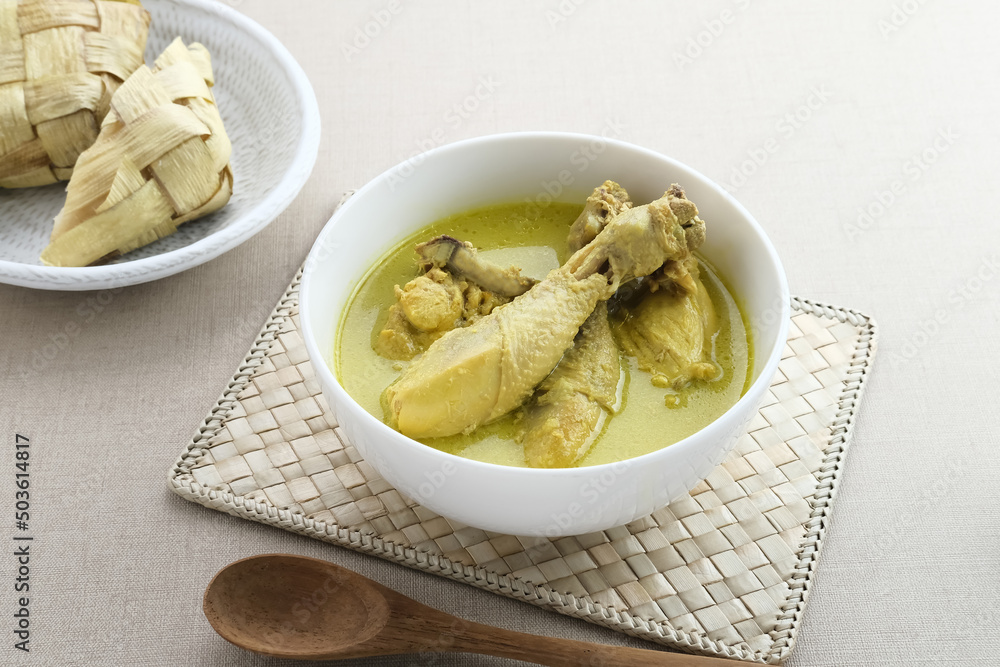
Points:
(272, 118)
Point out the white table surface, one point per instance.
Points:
(909, 571)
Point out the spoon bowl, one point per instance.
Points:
(297, 607)
(294, 607)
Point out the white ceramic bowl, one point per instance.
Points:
(272, 119)
(513, 167)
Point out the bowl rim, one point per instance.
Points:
(384, 430)
(147, 269)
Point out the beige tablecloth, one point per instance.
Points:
(862, 135)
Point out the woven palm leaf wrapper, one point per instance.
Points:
(162, 159)
(60, 63)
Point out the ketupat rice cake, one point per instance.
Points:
(161, 159)
(60, 64)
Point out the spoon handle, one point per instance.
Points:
(557, 652)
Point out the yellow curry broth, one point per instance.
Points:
(643, 423)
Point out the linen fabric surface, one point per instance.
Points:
(862, 136)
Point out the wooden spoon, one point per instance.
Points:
(297, 607)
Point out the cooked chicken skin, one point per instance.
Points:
(570, 406)
(669, 332)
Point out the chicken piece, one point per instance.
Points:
(399, 339)
(669, 332)
(607, 201)
(431, 302)
(428, 307)
(461, 258)
(685, 210)
(669, 322)
(473, 375)
(641, 240)
(478, 373)
(457, 288)
(570, 406)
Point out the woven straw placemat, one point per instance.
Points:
(724, 571)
